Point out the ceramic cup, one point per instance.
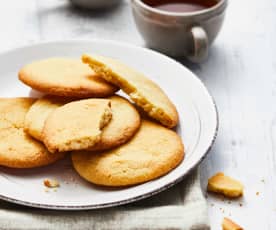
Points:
(179, 34)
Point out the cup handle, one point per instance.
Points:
(200, 43)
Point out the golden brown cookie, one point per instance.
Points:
(65, 77)
(17, 148)
(124, 123)
(151, 153)
(38, 113)
(76, 125)
(143, 91)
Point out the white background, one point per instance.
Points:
(240, 73)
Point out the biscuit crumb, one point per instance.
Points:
(46, 190)
(257, 193)
(228, 224)
(229, 187)
(51, 183)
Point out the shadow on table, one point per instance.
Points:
(216, 54)
(69, 9)
(208, 67)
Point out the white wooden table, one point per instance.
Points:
(240, 73)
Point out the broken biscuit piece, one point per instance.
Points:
(145, 93)
(220, 183)
(228, 224)
(51, 183)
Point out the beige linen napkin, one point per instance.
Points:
(180, 207)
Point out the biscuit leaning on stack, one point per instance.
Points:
(144, 92)
(111, 145)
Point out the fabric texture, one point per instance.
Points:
(181, 207)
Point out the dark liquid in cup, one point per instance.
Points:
(181, 6)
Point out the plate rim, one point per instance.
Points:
(138, 197)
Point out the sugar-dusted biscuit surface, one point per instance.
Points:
(143, 91)
(65, 77)
(17, 148)
(151, 153)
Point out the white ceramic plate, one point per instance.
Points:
(198, 127)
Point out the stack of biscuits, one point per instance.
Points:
(113, 140)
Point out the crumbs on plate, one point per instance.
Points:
(51, 183)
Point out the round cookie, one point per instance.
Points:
(151, 153)
(17, 148)
(76, 125)
(124, 123)
(65, 77)
(38, 113)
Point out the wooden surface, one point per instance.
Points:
(240, 73)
